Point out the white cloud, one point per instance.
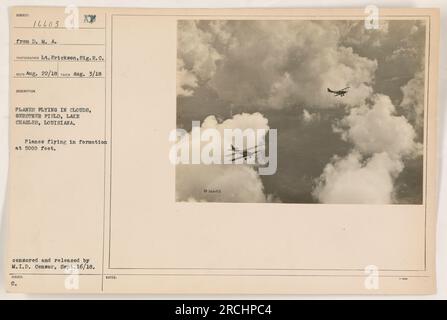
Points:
(186, 80)
(285, 63)
(197, 57)
(219, 182)
(275, 63)
(413, 99)
(238, 121)
(380, 141)
(375, 128)
(354, 180)
(309, 117)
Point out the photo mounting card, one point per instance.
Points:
(259, 151)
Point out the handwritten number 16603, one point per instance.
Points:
(46, 24)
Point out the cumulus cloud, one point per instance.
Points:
(353, 179)
(381, 140)
(197, 56)
(277, 64)
(220, 182)
(285, 63)
(413, 100)
(239, 121)
(375, 128)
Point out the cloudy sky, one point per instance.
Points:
(365, 147)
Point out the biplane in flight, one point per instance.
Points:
(338, 93)
(237, 154)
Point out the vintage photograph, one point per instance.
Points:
(346, 101)
(224, 151)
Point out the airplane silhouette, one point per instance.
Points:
(243, 154)
(340, 92)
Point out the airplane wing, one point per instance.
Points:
(243, 157)
(249, 154)
(234, 159)
(237, 152)
(255, 147)
(252, 153)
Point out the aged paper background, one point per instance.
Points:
(178, 227)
